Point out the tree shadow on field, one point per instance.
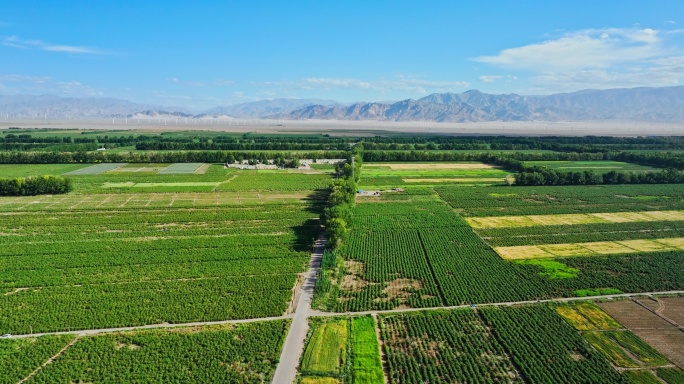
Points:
(308, 231)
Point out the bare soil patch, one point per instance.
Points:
(400, 289)
(658, 333)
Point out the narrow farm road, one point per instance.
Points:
(286, 372)
(314, 313)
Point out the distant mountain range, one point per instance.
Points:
(665, 104)
(642, 104)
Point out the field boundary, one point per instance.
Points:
(85, 332)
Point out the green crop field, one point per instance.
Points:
(342, 350)
(162, 264)
(218, 354)
(25, 170)
(595, 166)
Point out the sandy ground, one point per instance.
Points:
(362, 128)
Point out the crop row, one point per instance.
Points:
(138, 303)
(247, 353)
(444, 346)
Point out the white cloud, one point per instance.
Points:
(594, 48)
(215, 83)
(494, 78)
(13, 83)
(16, 42)
(597, 58)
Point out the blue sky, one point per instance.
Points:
(207, 53)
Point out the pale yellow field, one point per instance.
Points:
(589, 249)
(564, 250)
(573, 219)
(417, 166)
(646, 245)
(457, 180)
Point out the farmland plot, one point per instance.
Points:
(217, 354)
(96, 261)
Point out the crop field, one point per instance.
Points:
(181, 168)
(595, 166)
(96, 169)
(582, 240)
(660, 334)
(500, 345)
(622, 348)
(391, 175)
(420, 253)
(92, 260)
(244, 353)
(342, 350)
(25, 170)
(119, 267)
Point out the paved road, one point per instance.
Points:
(286, 372)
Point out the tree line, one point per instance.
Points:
(35, 185)
(337, 216)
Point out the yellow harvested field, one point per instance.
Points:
(574, 219)
(676, 242)
(500, 221)
(597, 248)
(564, 250)
(568, 219)
(575, 318)
(623, 217)
(665, 215)
(646, 245)
(523, 252)
(458, 180)
(417, 166)
(320, 380)
(607, 247)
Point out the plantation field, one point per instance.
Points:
(419, 253)
(490, 345)
(631, 233)
(595, 166)
(227, 354)
(148, 265)
(390, 175)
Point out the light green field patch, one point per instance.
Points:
(624, 217)
(188, 184)
(325, 353)
(456, 180)
(26, 170)
(126, 184)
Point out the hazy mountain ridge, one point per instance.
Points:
(30, 107)
(665, 104)
(263, 108)
(643, 104)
